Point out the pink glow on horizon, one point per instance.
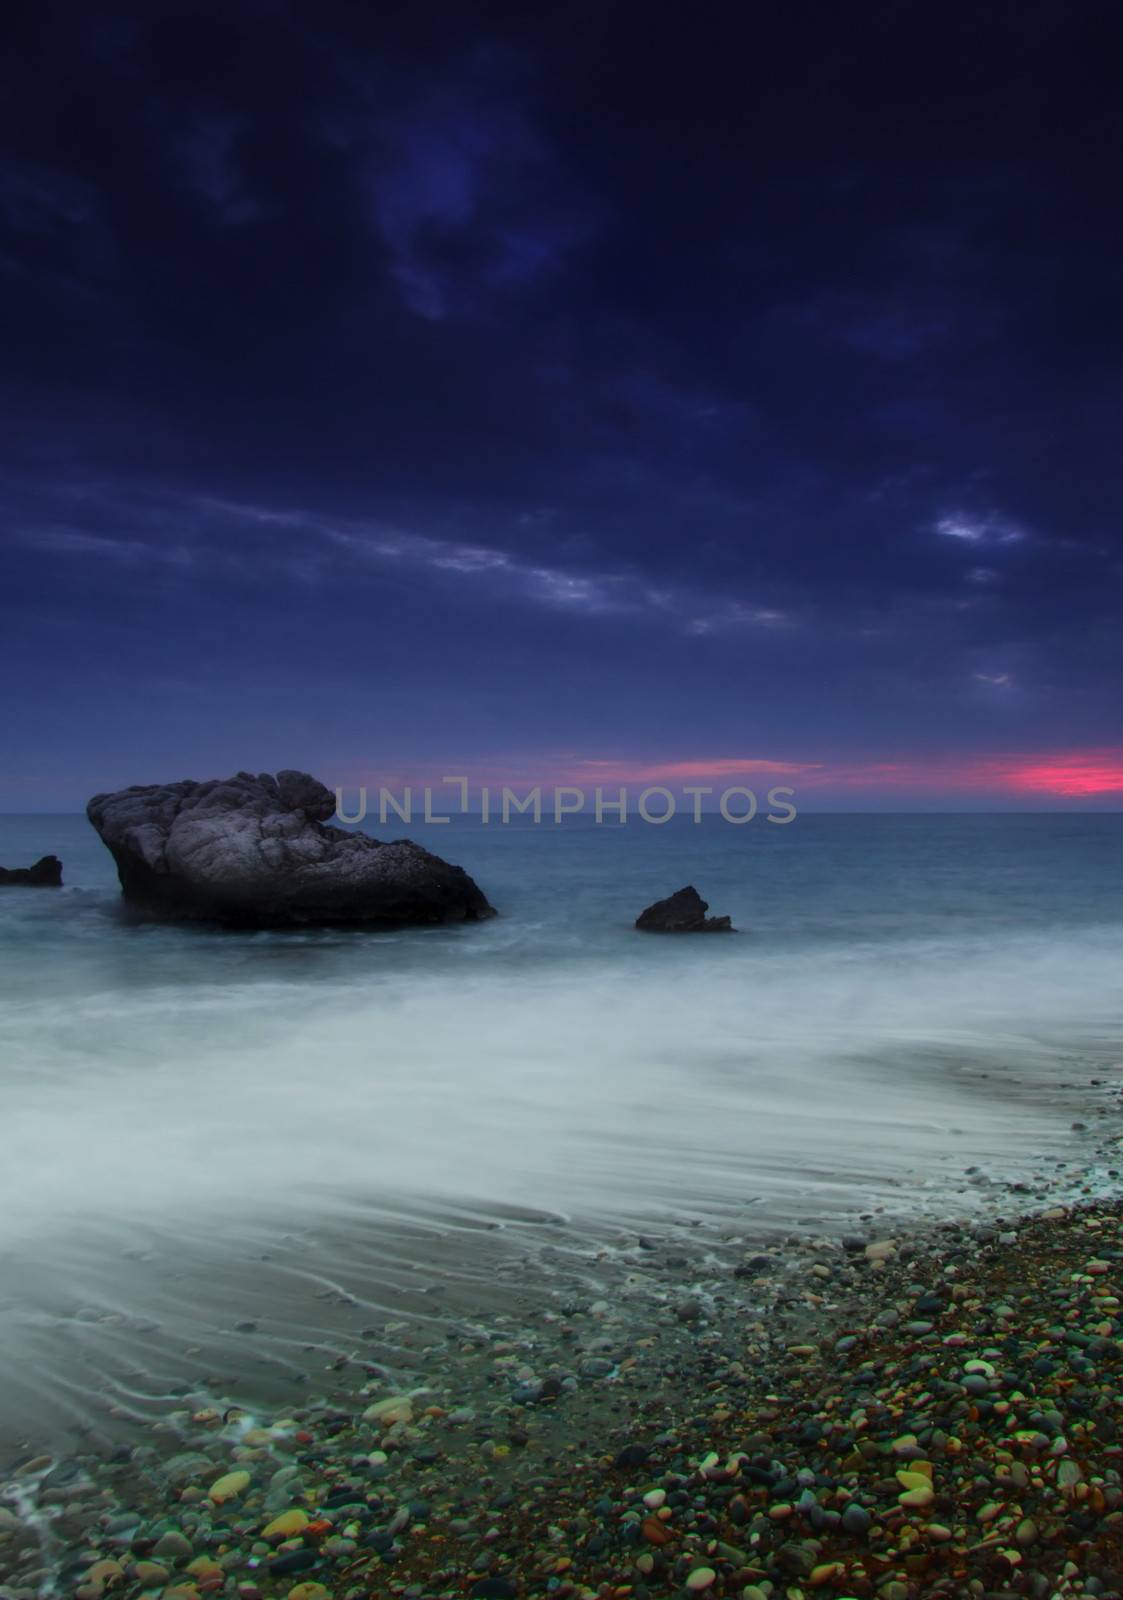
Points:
(1068, 775)
(687, 771)
(577, 771)
(1083, 773)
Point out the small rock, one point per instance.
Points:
(291, 1561)
(172, 1545)
(150, 1573)
(856, 1520)
(286, 1526)
(701, 1579)
(229, 1487)
(398, 1408)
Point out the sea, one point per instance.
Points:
(215, 1146)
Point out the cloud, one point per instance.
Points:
(457, 184)
(125, 552)
(1065, 775)
(896, 325)
(589, 592)
(589, 772)
(736, 615)
(40, 199)
(988, 528)
(467, 558)
(208, 151)
(897, 334)
(1068, 775)
(502, 572)
(1074, 775)
(688, 770)
(213, 535)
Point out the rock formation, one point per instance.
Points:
(682, 912)
(45, 874)
(258, 852)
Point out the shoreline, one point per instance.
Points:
(566, 1450)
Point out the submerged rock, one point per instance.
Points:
(45, 874)
(258, 852)
(682, 912)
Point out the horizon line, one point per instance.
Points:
(707, 811)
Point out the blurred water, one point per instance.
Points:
(905, 997)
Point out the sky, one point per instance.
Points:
(564, 393)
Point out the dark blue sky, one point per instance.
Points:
(399, 390)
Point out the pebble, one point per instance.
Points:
(229, 1487)
(394, 1409)
(292, 1561)
(172, 1545)
(287, 1525)
(856, 1520)
(700, 1579)
(149, 1573)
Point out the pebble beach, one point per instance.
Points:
(891, 1412)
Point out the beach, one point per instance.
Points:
(897, 1413)
(543, 1256)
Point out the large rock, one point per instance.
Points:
(257, 852)
(682, 912)
(45, 874)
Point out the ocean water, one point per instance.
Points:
(194, 1121)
